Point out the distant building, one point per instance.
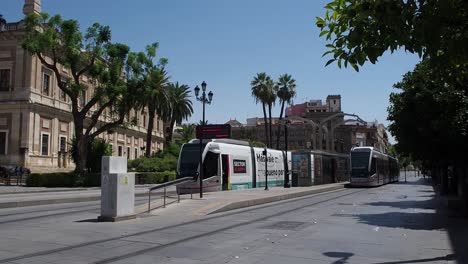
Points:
(314, 125)
(234, 123)
(332, 105)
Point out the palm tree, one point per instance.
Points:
(157, 101)
(270, 101)
(151, 81)
(187, 132)
(201, 123)
(260, 93)
(286, 91)
(180, 106)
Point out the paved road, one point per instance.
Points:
(397, 223)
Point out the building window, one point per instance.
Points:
(3, 142)
(112, 149)
(334, 101)
(157, 124)
(4, 80)
(63, 144)
(136, 153)
(119, 151)
(46, 84)
(144, 120)
(128, 153)
(45, 144)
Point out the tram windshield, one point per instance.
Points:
(360, 164)
(189, 160)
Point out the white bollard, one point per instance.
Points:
(117, 190)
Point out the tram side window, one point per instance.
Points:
(373, 166)
(210, 165)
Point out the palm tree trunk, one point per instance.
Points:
(279, 126)
(267, 141)
(149, 132)
(170, 133)
(271, 132)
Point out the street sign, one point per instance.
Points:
(214, 131)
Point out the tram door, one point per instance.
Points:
(225, 172)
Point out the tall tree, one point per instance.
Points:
(286, 91)
(180, 106)
(270, 101)
(151, 80)
(56, 43)
(430, 107)
(362, 30)
(158, 102)
(259, 89)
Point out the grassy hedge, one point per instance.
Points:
(154, 177)
(71, 179)
(63, 179)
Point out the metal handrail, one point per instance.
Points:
(164, 186)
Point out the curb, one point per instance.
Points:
(259, 201)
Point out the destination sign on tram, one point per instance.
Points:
(214, 131)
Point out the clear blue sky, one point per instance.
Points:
(226, 43)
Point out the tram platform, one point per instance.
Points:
(217, 202)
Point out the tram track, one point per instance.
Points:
(348, 192)
(89, 208)
(84, 208)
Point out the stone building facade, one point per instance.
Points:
(36, 124)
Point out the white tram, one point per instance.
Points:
(230, 165)
(370, 167)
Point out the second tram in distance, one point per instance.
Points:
(370, 167)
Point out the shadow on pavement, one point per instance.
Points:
(343, 256)
(92, 220)
(413, 221)
(418, 182)
(405, 204)
(446, 258)
(441, 219)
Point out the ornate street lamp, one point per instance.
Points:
(204, 100)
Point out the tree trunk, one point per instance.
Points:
(170, 133)
(267, 141)
(444, 188)
(269, 125)
(464, 182)
(149, 132)
(279, 127)
(81, 146)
